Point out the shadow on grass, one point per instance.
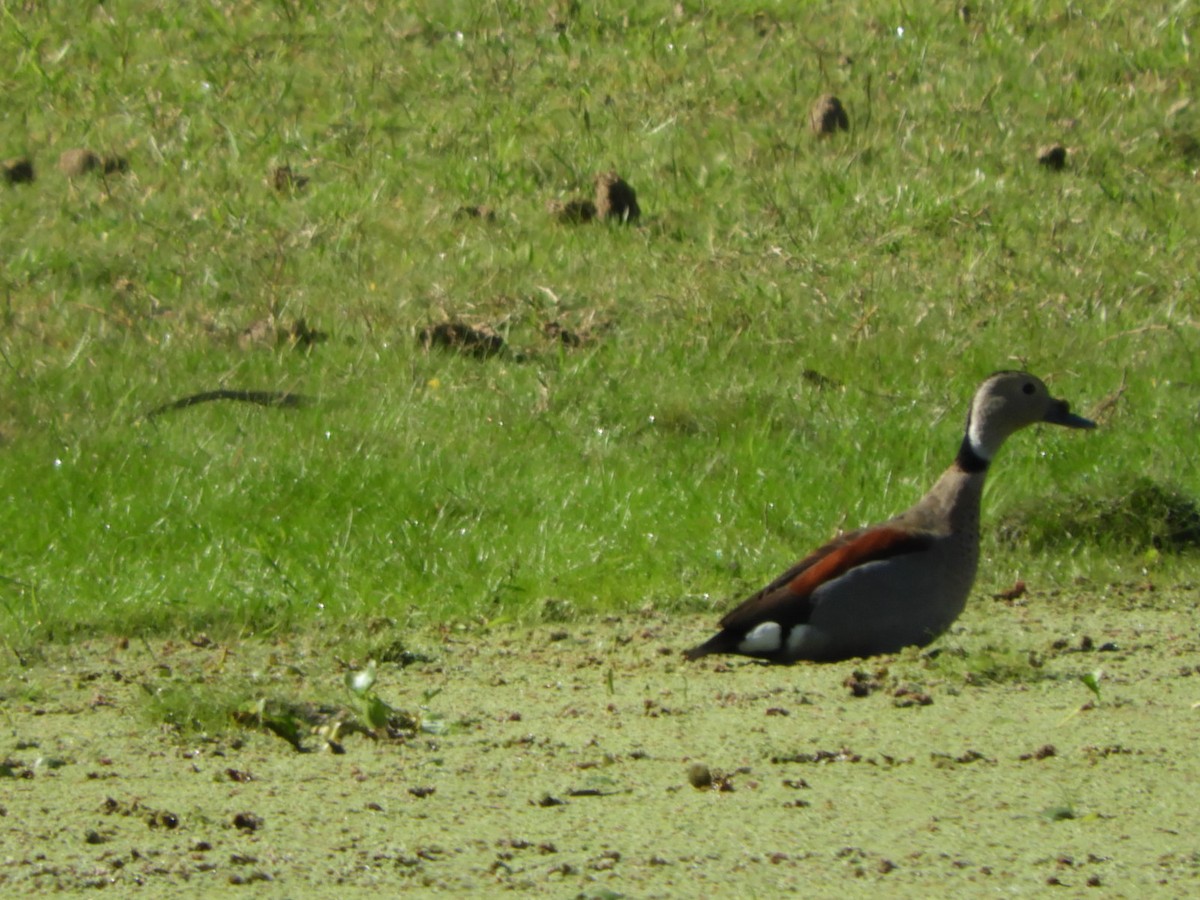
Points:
(1138, 514)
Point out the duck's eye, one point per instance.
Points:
(1029, 388)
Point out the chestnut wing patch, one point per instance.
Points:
(786, 599)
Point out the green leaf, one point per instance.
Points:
(377, 712)
(434, 726)
(362, 680)
(284, 726)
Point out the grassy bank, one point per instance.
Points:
(672, 451)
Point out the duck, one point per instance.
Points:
(902, 582)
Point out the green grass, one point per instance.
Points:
(679, 457)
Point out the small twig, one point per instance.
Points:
(1101, 410)
(20, 659)
(1133, 331)
(282, 399)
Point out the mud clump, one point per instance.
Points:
(1186, 145)
(18, 170)
(819, 381)
(573, 338)
(700, 776)
(828, 116)
(265, 333)
(1016, 592)
(572, 212)
(74, 163)
(1046, 751)
(482, 212)
(247, 821)
(862, 684)
(615, 199)
(907, 696)
(459, 337)
(1053, 157)
(565, 336)
(287, 181)
(300, 335)
(79, 161)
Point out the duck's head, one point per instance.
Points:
(1008, 402)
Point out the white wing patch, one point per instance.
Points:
(762, 638)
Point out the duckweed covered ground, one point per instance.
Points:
(566, 763)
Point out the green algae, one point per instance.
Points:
(561, 764)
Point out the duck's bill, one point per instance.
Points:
(1060, 414)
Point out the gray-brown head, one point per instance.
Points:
(1008, 402)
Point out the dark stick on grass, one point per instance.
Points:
(281, 399)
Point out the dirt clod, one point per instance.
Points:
(247, 821)
(81, 161)
(18, 170)
(565, 336)
(78, 161)
(819, 757)
(478, 341)
(907, 696)
(1016, 592)
(700, 776)
(237, 878)
(287, 181)
(828, 116)
(163, 819)
(572, 212)
(482, 212)
(1044, 752)
(1186, 145)
(266, 333)
(615, 199)
(1053, 157)
(300, 335)
(861, 684)
(587, 332)
(819, 381)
